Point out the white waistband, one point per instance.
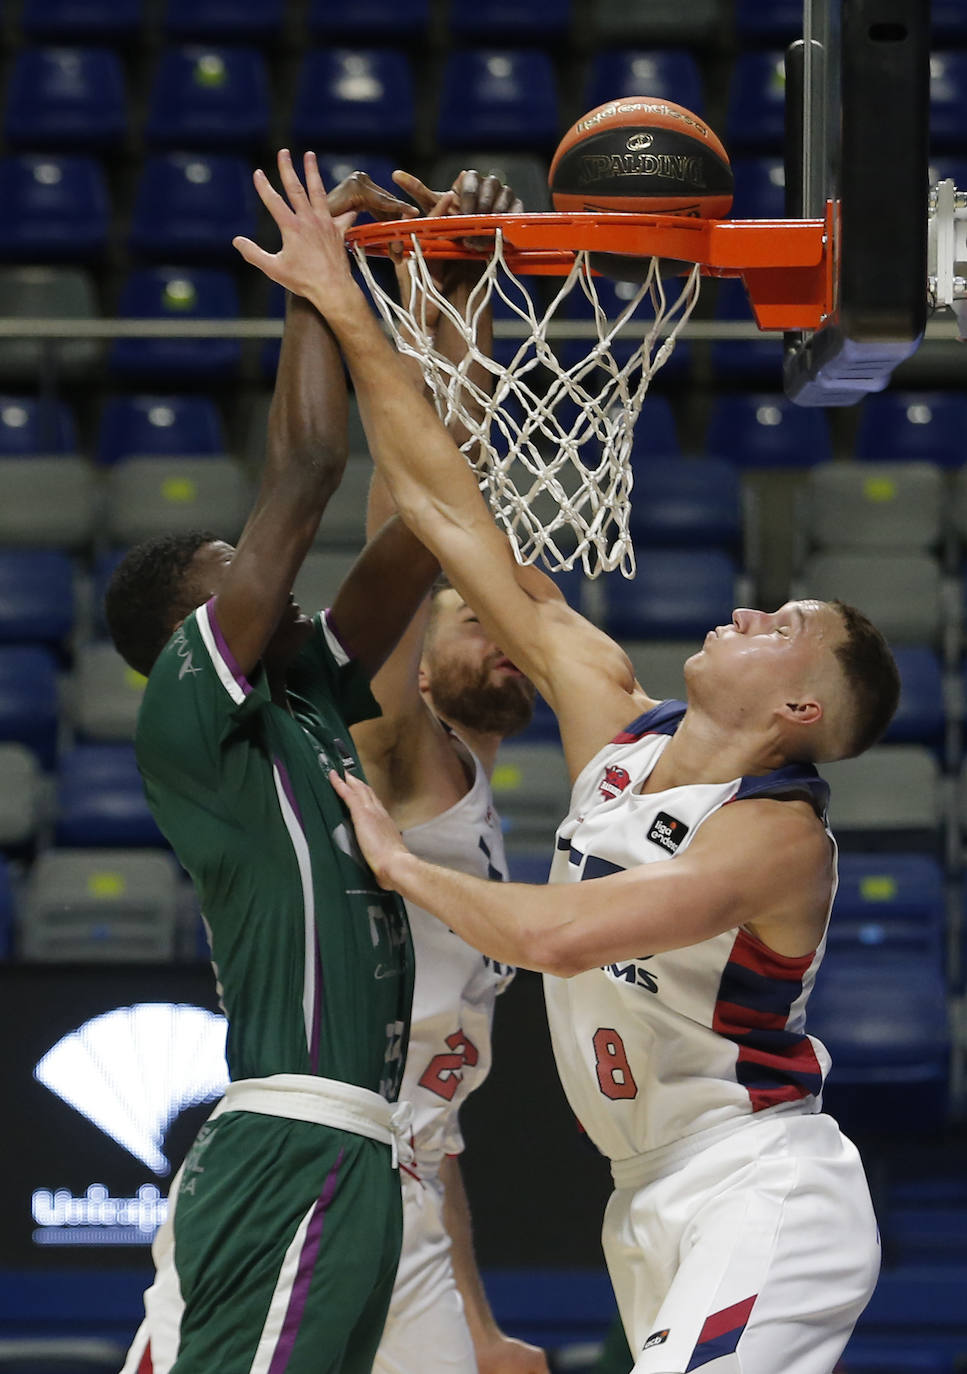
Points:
(302, 1097)
(638, 1170)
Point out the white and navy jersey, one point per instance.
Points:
(455, 986)
(662, 1047)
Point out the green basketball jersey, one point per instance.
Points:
(313, 959)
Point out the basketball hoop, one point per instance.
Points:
(551, 442)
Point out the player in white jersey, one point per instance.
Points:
(740, 1236)
(437, 787)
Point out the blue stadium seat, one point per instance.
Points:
(668, 74)
(686, 503)
(656, 433)
(66, 99)
(353, 97)
(948, 93)
(760, 187)
(100, 799)
(36, 596)
(173, 293)
(54, 291)
(674, 595)
(923, 1214)
(543, 726)
(779, 21)
(756, 112)
(529, 865)
(913, 424)
(743, 360)
(7, 914)
(29, 705)
(506, 21)
(208, 97)
(82, 21)
(391, 20)
(224, 21)
(889, 901)
(915, 1322)
(948, 22)
(133, 426)
(944, 166)
(334, 167)
(613, 297)
(920, 717)
(766, 430)
(500, 97)
(56, 208)
(926, 1234)
(104, 565)
(189, 206)
(29, 426)
(270, 349)
(884, 1020)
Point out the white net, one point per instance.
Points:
(550, 441)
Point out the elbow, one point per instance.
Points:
(552, 951)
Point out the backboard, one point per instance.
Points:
(857, 105)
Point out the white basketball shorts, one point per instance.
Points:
(755, 1256)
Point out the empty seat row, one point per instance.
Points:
(64, 503)
(221, 97)
(188, 206)
(755, 113)
(264, 20)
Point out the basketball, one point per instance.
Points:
(641, 155)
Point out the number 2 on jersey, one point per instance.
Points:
(444, 1072)
(615, 1078)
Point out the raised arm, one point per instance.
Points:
(437, 494)
(406, 724)
(387, 586)
(306, 446)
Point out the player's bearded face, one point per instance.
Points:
(479, 694)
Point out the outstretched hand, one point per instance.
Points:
(470, 194)
(312, 261)
(359, 192)
(378, 836)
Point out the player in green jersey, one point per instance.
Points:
(287, 1224)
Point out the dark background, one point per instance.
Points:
(537, 1187)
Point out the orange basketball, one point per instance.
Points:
(641, 155)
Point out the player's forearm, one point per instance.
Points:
(456, 1217)
(307, 429)
(431, 484)
(513, 924)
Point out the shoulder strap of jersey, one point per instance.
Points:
(663, 719)
(794, 782)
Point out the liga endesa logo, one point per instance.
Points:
(132, 1070)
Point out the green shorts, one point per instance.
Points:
(287, 1236)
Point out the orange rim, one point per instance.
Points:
(786, 264)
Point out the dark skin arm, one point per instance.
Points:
(306, 449)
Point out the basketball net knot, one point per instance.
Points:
(549, 439)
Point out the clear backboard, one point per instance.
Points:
(857, 101)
